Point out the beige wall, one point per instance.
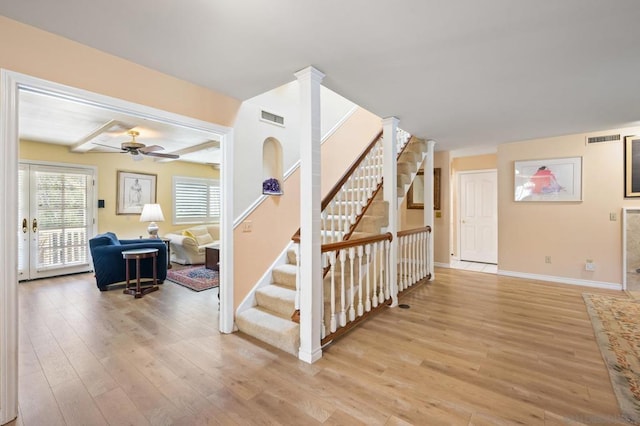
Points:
(414, 218)
(463, 164)
(276, 220)
(568, 232)
(40, 54)
(125, 226)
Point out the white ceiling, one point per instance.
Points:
(463, 72)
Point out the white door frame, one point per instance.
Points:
(459, 201)
(10, 85)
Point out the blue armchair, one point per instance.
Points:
(109, 266)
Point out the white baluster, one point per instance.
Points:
(296, 303)
(374, 293)
(383, 271)
(332, 259)
(343, 314)
(387, 287)
(352, 311)
(367, 303)
(360, 306)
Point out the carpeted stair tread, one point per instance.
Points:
(285, 275)
(291, 256)
(276, 298)
(270, 328)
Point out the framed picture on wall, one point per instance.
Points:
(415, 196)
(551, 179)
(134, 191)
(632, 166)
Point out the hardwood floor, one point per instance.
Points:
(473, 349)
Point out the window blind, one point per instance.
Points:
(196, 200)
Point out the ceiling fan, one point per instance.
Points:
(137, 149)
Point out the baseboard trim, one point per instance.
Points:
(561, 280)
(442, 265)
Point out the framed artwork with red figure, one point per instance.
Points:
(551, 179)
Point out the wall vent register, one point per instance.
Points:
(272, 118)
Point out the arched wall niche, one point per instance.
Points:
(272, 167)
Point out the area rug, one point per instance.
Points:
(196, 278)
(616, 323)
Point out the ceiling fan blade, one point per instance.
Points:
(111, 147)
(157, 154)
(151, 148)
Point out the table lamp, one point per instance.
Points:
(152, 213)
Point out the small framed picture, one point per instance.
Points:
(134, 191)
(551, 179)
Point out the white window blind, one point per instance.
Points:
(196, 200)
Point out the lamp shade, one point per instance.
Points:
(151, 213)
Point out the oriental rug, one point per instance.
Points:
(196, 278)
(616, 322)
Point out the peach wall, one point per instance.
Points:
(276, 220)
(37, 53)
(125, 226)
(462, 164)
(568, 232)
(414, 218)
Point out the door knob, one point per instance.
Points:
(25, 227)
(35, 225)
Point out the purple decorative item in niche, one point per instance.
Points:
(271, 186)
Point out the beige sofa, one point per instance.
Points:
(188, 247)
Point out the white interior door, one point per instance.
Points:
(479, 216)
(55, 206)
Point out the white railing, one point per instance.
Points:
(357, 281)
(402, 139)
(413, 255)
(342, 211)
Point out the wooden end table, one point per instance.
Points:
(212, 258)
(137, 255)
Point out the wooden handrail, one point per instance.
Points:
(357, 242)
(348, 173)
(336, 188)
(414, 231)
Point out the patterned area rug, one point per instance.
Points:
(616, 323)
(196, 278)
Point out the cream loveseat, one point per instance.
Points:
(188, 247)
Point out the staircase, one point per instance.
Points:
(270, 320)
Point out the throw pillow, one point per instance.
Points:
(188, 234)
(204, 239)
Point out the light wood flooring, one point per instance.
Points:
(473, 349)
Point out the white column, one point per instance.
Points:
(390, 192)
(310, 244)
(428, 200)
(226, 289)
(9, 247)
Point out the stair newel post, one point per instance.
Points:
(367, 302)
(387, 287)
(390, 176)
(333, 325)
(360, 306)
(352, 311)
(310, 206)
(428, 203)
(325, 265)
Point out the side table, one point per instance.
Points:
(137, 255)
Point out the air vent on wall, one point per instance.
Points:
(272, 118)
(605, 138)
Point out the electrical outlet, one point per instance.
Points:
(247, 226)
(589, 265)
(547, 259)
(613, 217)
